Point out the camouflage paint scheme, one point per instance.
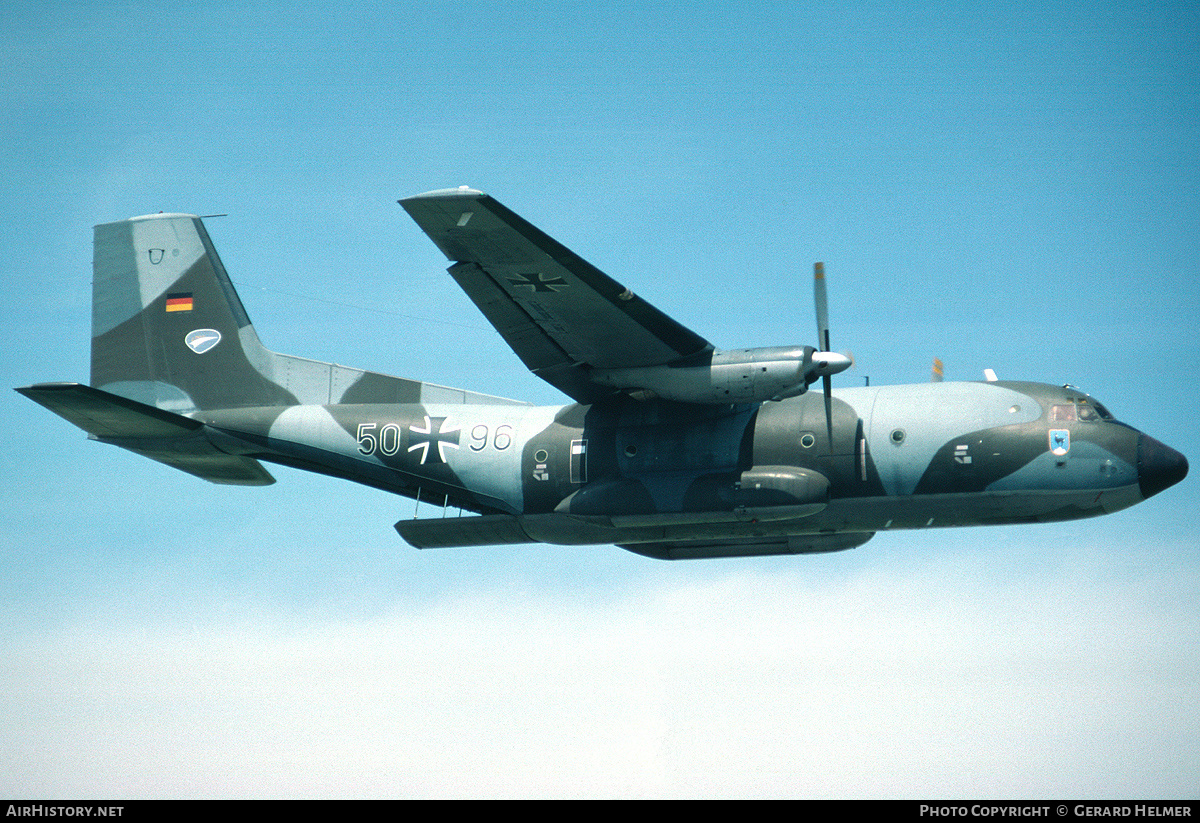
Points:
(672, 450)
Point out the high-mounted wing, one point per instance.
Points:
(560, 314)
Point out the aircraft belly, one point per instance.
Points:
(848, 515)
(972, 509)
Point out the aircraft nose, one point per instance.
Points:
(1159, 466)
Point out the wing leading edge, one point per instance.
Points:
(561, 315)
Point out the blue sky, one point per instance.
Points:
(1013, 188)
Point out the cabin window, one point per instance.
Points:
(1064, 412)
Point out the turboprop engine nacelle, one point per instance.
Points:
(738, 376)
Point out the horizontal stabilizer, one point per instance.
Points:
(161, 435)
(102, 414)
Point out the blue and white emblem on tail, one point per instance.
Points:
(201, 340)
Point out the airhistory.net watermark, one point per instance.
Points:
(45, 810)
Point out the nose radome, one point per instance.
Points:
(1159, 466)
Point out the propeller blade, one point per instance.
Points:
(936, 377)
(831, 362)
(822, 301)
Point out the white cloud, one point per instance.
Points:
(751, 682)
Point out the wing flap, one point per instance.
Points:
(559, 313)
(536, 349)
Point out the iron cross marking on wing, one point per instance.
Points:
(433, 433)
(541, 283)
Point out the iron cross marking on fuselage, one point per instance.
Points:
(540, 283)
(433, 433)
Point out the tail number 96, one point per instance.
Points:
(502, 437)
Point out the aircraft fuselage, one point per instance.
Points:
(634, 472)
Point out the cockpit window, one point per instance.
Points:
(1090, 410)
(1083, 409)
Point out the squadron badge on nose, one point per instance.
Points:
(1060, 442)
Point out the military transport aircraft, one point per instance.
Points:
(672, 449)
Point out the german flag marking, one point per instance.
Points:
(179, 302)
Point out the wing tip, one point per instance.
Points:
(461, 191)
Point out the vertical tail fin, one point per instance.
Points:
(168, 329)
